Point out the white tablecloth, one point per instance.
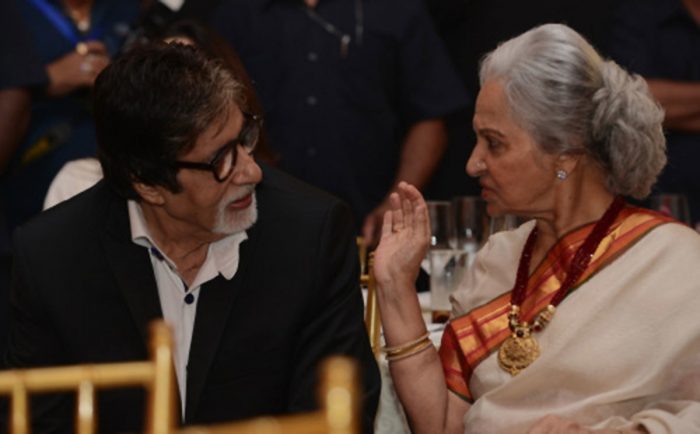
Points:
(390, 415)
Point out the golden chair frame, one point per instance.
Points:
(156, 375)
(339, 413)
(338, 395)
(373, 321)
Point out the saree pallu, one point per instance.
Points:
(624, 327)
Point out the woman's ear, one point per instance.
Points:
(568, 162)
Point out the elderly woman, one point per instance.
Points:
(586, 319)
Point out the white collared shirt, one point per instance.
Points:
(179, 303)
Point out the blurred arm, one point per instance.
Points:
(14, 119)
(420, 154)
(680, 100)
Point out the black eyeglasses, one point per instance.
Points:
(225, 159)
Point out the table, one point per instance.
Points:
(391, 418)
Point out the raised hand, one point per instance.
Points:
(77, 69)
(404, 240)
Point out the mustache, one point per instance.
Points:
(245, 191)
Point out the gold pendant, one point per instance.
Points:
(518, 352)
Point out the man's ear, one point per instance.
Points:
(151, 194)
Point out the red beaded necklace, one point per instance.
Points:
(521, 349)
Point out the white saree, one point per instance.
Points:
(622, 351)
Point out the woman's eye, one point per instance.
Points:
(493, 144)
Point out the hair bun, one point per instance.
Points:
(626, 120)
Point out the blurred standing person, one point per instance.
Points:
(20, 72)
(353, 90)
(660, 40)
(78, 175)
(74, 40)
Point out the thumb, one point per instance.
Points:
(95, 47)
(368, 231)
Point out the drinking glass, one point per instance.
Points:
(471, 222)
(445, 261)
(671, 204)
(442, 224)
(447, 269)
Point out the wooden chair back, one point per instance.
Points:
(155, 375)
(372, 318)
(339, 413)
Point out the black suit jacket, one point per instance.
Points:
(83, 292)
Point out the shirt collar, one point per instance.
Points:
(223, 253)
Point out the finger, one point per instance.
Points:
(420, 210)
(396, 212)
(95, 47)
(98, 65)
(422, 218)
(368, 230)
(386, 224)
(406, 205)
(99, 62)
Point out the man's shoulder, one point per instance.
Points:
(70, 221)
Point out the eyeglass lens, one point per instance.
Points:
(248, 139)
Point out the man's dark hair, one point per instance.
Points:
(151, 105)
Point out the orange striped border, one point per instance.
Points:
(470, 338)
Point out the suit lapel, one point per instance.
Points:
(131, 267)
(213, 309)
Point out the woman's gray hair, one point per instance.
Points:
(573, 102)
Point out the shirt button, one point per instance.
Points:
(155, 252)
(189, 298)
(312, 56)
(311, 152)
(311, 100)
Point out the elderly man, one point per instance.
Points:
(255, 271)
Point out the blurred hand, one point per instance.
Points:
(77, 69)
(558, 425)
(404, 241)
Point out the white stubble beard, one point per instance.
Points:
(232, 222)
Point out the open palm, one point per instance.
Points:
(404, 239)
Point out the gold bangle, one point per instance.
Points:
(422, 346)
(405, 346)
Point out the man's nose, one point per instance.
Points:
(247, 170)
